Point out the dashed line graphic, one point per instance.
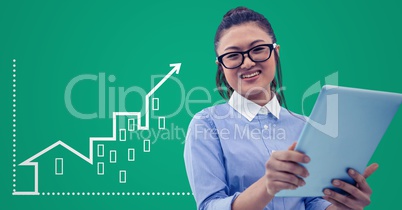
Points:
(116, 193)
(14, 98)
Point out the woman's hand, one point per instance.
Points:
(359, 194)
(282, 170)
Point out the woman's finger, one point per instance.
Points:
(370, 169)
(274, 187)
(355, 192)
(289, 155)
(335, 202)
(287, 167)
(360, 181)
(285, 177)
(345, 200)
(292, 147)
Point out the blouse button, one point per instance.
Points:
(263, 110)
(265, 127)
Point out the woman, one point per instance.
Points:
(238, 155)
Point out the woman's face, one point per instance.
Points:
(251, 79)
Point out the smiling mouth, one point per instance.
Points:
(250, 75)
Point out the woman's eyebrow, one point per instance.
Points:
(238, 48)
(255, 42)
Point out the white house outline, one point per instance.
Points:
(30, 162)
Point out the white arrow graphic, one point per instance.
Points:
(30, 161)
(176, 69)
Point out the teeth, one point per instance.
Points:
(250, 75)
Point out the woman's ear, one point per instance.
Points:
(217, 62)
(277, 49)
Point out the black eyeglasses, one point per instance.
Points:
(259, 53)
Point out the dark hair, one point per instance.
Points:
(238, 16)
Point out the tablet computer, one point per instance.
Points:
(342, 132)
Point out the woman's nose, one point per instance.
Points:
(247, 63)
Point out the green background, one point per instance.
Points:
(55, 41)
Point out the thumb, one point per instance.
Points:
(292, 147)
(370, 169)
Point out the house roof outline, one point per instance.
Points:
(30, 161)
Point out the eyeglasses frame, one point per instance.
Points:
(271, 47)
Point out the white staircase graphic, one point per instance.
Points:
(30, 161)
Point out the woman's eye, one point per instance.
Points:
(232, 56)
(258, 49)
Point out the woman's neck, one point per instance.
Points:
(261, 98)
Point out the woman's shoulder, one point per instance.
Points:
(213, 111)
(288, 115)
(211, 114)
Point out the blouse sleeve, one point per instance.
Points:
(205, 165)
(316, 203)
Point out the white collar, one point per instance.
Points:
(249, 109)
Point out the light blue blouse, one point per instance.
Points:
(228, 145)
